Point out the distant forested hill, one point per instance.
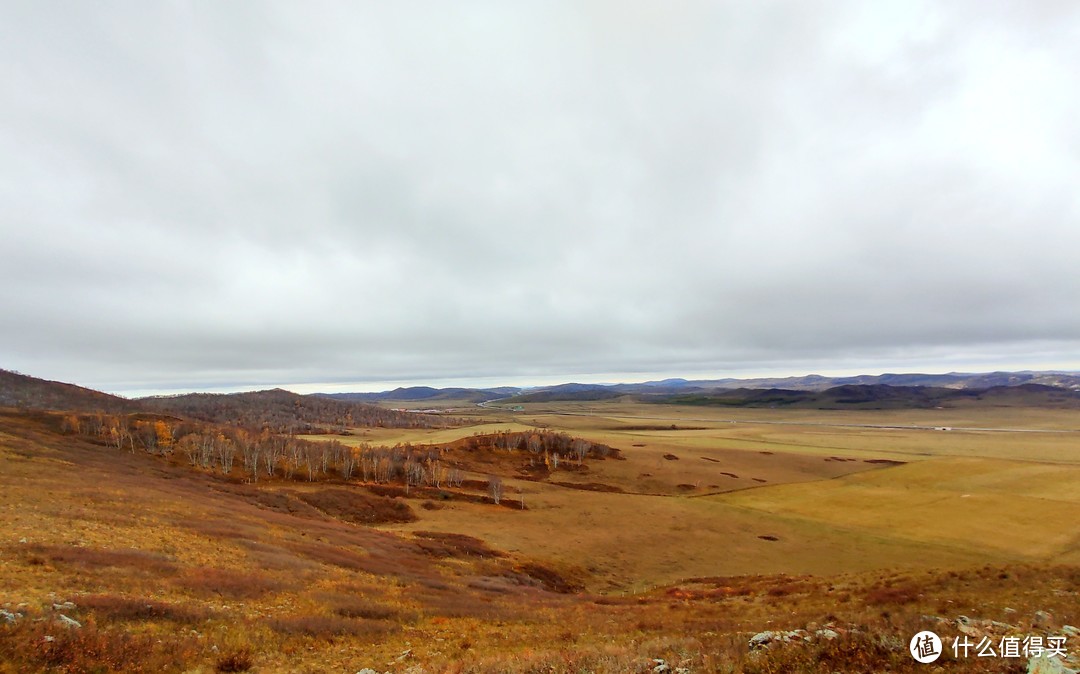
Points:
(26, 392)
(277, 410)
(284, 411)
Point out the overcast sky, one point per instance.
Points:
(208, 195)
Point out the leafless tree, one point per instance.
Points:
(189, 444)
(226, 452)
(273, 449)
(347, 464)
(495, 488)
(368, 463)
(580, 448)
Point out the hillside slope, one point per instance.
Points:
(288, 412)
(26, 392)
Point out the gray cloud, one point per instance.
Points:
(216, 194)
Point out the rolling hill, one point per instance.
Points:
(421, 393)
(880, 397)
(26, 392)
(276, 409)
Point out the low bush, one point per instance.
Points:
(44, 646)
(323, 626)
(358, 507)
(87, 557)
(238, 660)
(117, 608)
(228, 583)
(437, 544)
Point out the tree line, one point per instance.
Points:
(262, 454)
(286, 412)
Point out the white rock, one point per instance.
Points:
(68, 622)
(762, 639)
(1048, 665)
(1042, 619)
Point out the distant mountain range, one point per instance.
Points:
(421, 393)
(284, 408)
(878, 397)
(669, 389)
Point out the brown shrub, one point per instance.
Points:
(321, 626)
(897, 595)
(549, 578)
(229, 583)
(591, 486)
(139, 560)
(479, 485)
(329, 554)
(460, 605)
(437, 544)
(370, 610)
(239, 660)
(358, 507)
(90, 650)
(113, 607)
(276, 501)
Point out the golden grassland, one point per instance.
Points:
(1014, 508)
(175, 570)
(809, 478)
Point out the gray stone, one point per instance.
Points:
(893, 643)
(68, 622)
(1042, 620)
(7, 616)
(827, 634)
(1048, 665)
(1070, 631)
(762, 639)
(661, 667)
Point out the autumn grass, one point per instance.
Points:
(1021, 509)
(203, 576)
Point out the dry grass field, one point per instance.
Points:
(696, 538)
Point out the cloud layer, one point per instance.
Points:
(220, 194)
